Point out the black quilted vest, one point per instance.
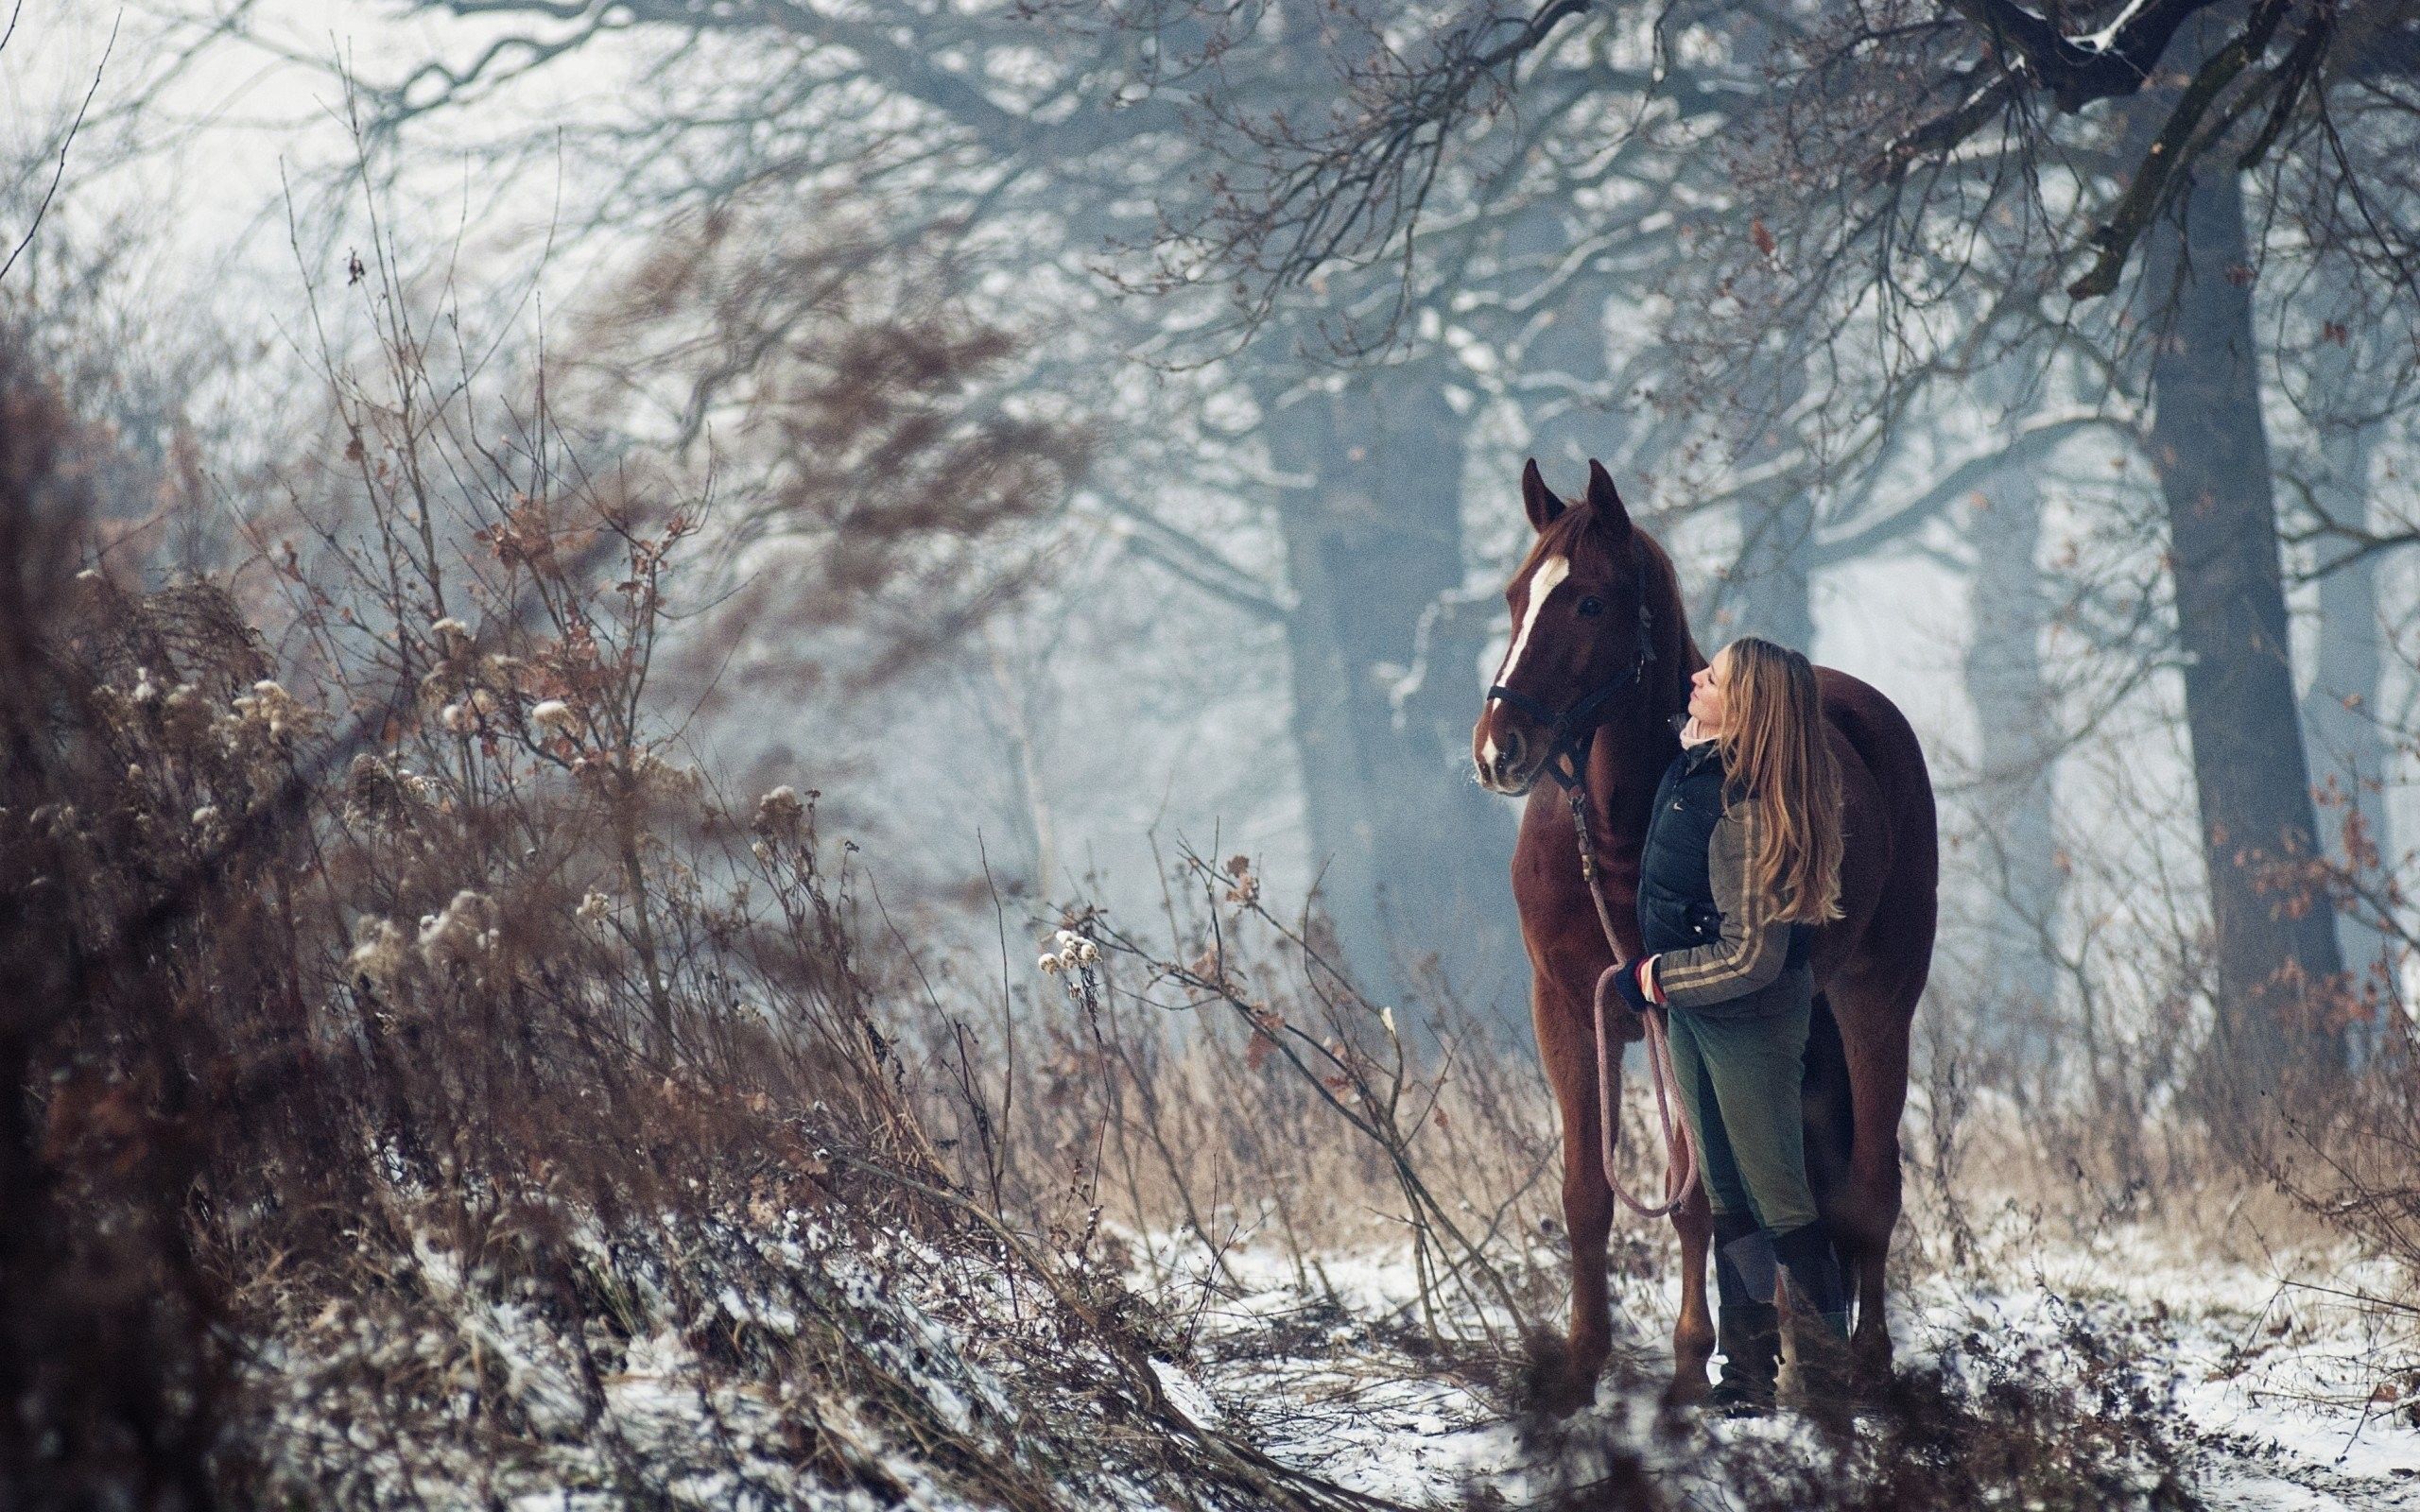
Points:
(1676, 909)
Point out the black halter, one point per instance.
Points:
(1569, 731)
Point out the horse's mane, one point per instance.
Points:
(1676, 648)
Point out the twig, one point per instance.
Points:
(77, 125)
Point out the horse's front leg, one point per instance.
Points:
(1588, 1214)
(1567, 1040)
(1693, 1331)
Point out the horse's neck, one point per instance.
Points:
(1629, 755)
(1625, 763)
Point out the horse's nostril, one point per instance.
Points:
(1511, 757)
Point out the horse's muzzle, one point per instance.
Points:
(1503, 765)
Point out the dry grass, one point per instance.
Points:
(411, 1047)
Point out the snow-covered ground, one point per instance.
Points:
(765, 1360)
(2272, 1392)
(771, 1359)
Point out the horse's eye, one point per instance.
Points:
(1591, 607)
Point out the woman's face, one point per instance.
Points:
(1706, 687)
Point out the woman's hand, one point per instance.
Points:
(1630, 984)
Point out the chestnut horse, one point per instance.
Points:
(1598, 670)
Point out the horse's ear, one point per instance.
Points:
(1605, 501)
(1537, 498)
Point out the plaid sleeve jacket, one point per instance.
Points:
(1753, 948)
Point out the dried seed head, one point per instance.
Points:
(380, 958)
(464, 933)
(186, 716)
(554, 714)
(661, 779)
(270, 710)
(780, 812)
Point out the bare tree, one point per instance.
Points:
(1916, 198)
(1021, 182)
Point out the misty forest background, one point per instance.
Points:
(591, 583)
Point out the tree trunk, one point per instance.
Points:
(2340, 707)
(1769, 591)
(2005, 684)
(1417, 857)
(1564, 361)
(1769, 588)
(2211, 449)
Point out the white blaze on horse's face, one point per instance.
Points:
(1543, 582)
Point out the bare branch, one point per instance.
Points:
(66, 142)
(2177, 143)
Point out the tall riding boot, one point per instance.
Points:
(1747, 1327)
(1820, 1380)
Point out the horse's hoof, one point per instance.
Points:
(1568, 1396)
(1870, 1367)
(1554, 1383)
(1688, 1389)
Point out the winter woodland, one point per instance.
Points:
(738, 736)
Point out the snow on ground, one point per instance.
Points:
(779, 1362)
(2269, 1381)
(2281, 1379)
(2140, 1370)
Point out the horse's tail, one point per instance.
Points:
(1831, 1118)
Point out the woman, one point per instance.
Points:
(1742, 859)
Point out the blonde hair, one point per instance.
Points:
(1775, 751)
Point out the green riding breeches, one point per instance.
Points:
(1739, 1081)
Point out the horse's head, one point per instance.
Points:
(1583, 633)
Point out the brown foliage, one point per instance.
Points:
(396, 943)
(883, 474)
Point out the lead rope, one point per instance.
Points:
(1680, 1159)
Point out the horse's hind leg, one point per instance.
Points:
(1829, 1106)
(1873, 1036)
(1693, 1331)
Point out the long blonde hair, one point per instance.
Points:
(1776, 750)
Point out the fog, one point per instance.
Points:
(1127, 697)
